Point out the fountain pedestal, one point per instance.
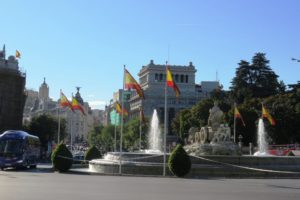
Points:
(213, 139)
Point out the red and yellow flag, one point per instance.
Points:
(64, 102)
(171, 83)
(18, 54)
(130, 83)
(119, 109)
(238, 115)
(77, 106)
(266, 114)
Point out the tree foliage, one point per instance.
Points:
(132, 134)
(256, 80)
(62, 158)
(45, 127)
(92, 153)
(179, 161)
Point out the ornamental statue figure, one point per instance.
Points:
(215, 117)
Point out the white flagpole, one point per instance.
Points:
(234, 124)
(140, 128)
(122, 117)
(166, 124)
(115, 149)
(58, 129)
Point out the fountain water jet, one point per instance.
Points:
(261, 140)
(154, 137)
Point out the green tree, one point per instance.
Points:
(45, 127)
(182, 122)
(200, 112)
(107, 138)
(94, 136)
(255, 80)
(132, 134)
(61, 158)
(92, 153)
(179, 162)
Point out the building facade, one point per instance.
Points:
(12, 93)
(152, 78)
(77, 124)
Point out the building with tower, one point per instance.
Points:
(77, 124)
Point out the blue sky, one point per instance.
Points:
(86, 43)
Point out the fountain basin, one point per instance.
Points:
(205, 166)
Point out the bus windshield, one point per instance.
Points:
(11, 146)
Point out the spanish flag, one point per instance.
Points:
(64, 102)
(18, 54)
(266, 114)
(119, 109)
(171, 83)
(130, 83)
(238, 115)
(76, 105)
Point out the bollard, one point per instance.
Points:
(250, 148)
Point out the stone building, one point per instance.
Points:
(12, 93)
(77, 124)
(152, 78)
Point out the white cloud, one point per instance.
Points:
(97, 104)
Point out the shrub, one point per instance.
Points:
(179, 161)
(92, 153)
(62, 158)
(290, 154)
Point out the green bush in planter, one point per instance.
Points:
(92, 153)
(179, 161)
(290, 154)
(61, 158)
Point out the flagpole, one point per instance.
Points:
(141, 128)
(166, 124)
(115, 149)
(234, 124)
(58, 131)
(122, 117)
(71, 133)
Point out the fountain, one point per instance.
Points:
(262, 140)
(213, 139)
(148, 161)
(154, 138)
(212, 154)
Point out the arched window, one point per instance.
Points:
(181, 78)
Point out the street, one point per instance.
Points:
(42, 184)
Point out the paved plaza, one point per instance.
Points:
(42, 184)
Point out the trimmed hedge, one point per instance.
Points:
(61, 158)
(92, 153)
(290, 154)
(179, 162)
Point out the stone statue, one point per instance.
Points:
(213, 139)
(215, 117)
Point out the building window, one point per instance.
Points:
(156, 77)
(176, 78)
(160, 77)
(181, 78)
(186, 78)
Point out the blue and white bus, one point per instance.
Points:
(18, 149)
